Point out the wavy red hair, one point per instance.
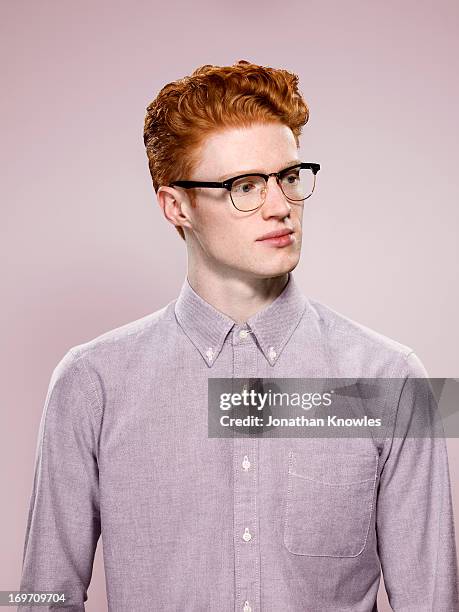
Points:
(211, 99)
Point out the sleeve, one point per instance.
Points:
(414, 516)
(63, 525)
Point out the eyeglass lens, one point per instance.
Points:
(247, 193)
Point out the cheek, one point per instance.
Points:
(217, 228)
(229, 240)
(297, 213)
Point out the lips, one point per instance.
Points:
(276, 234)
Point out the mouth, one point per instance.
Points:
(279, 238)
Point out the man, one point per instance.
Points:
(191, 522)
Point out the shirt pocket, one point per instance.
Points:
(329, 505)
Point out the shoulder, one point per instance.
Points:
(117, 348)
(363, 347)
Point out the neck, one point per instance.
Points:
(236, 295)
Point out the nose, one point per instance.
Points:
(275, 203)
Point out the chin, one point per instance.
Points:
(272, 269)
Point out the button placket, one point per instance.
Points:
(245, 472)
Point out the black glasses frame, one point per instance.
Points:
(228, 184)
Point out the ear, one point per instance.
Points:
(174, 204)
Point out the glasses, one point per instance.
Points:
(248, 191)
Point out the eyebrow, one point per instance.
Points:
(254, 171)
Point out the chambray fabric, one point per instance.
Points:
(192, 523)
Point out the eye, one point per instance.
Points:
(292, 177)
(246, 185)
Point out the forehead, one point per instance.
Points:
(260, 147)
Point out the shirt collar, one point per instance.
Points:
(272, 326)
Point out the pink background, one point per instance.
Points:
(84, 247)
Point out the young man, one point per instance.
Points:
(197, 523)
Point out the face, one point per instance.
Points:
(228, 239)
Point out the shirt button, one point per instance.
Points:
(210, 353)
(243, 333)
(246, 536)
(272, 353)
(246, 463)
(246, 607)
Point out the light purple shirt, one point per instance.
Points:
(192, 523)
